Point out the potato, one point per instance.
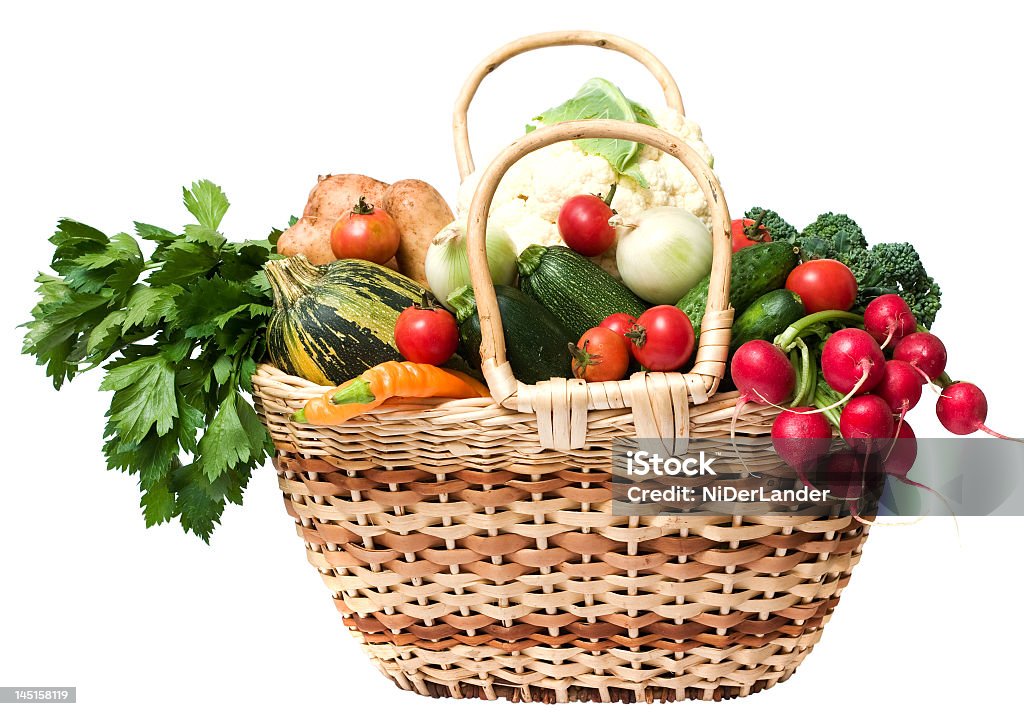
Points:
(332, 196)
(335, 194)
(420, 212)
(309, 236)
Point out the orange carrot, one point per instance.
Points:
(387, 380)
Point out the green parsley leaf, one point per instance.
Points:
(178, 337)
(143, 397)
(207, 203)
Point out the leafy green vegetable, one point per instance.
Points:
(600, 99)
(178, 338)
(836, 227)
(897, 268)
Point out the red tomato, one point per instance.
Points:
(583, 224)
(621, 323)
(824, 285)
(600, 354)
(426, 333)
(365, 233)
(744, 234)
(663, 338)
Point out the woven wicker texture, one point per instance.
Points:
(470, 562)
(471, 545)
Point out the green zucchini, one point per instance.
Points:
(756, 270)
(577, 291)
(536, 345)
(330, 323)
(767, 317)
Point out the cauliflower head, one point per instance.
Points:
(533, 190)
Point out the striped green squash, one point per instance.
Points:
(330, 323)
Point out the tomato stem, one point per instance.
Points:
(582, 359)
(427, 303)
(611, 193)
(756, 232)
(362, 207)
(637, 334)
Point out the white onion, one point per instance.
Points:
(447, 265)
(665, 255)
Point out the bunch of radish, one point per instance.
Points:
(866, 396)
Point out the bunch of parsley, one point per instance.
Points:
(178, 337)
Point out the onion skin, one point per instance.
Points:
(665, 255)
(446, 265)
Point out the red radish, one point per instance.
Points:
(801, 436)
(903, 453)
(962, 410)
(849, 476)
(867, 424)
(901, 458)
(852, 362)
(763, 374)
(923, 351)
(900, 386)
(888, 318)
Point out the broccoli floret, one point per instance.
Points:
(829, 225)
(889, 263)
(778, 228)
(880, 269)
(832, 236)
(897, 268)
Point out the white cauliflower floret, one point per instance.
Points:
(533, 190)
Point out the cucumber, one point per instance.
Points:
(767, 317)
(578, 292)
(536, 345)
(756, 270)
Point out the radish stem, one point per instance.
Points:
(994, 434)
(888, 337)
(787, 338)
(803, 374)
(732, 435)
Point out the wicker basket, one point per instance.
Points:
(470, 545)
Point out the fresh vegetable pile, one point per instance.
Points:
(601, 260)
(844, 346)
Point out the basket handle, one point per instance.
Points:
(713, 348)
(464, 156)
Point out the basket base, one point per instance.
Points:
(583, 694)
(430, 680)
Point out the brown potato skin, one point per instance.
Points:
(309, 236)
(332, 196)
(420, 212)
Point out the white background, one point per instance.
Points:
(906, 116)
